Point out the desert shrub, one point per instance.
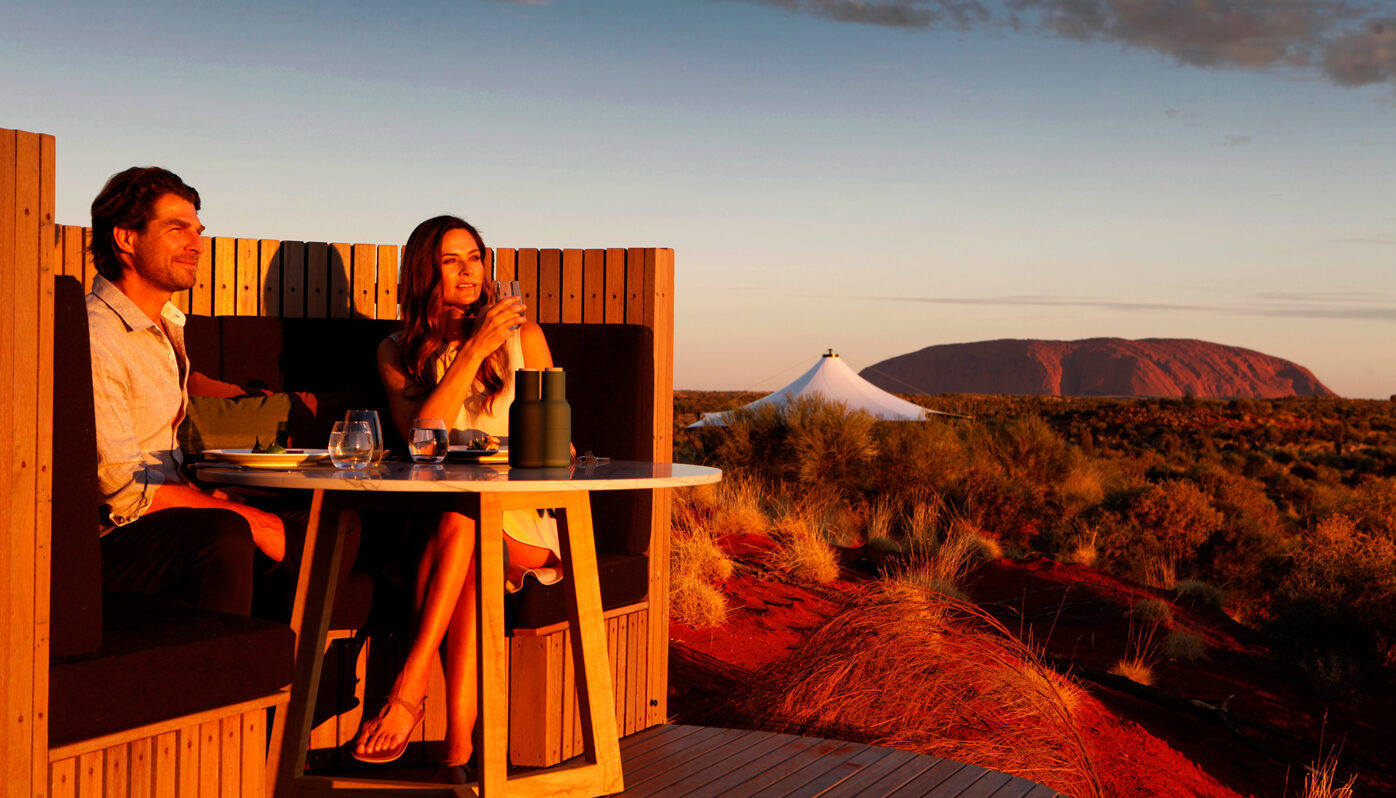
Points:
(1178, 644)
(882, 517)
(917, 457)
(1372, 507)
(695, 554)
(905, 668)
(1152, 611)
(1169, 521)
(1336, 601)
(1200, 594)
(1251, 529)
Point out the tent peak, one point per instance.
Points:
(830, 353)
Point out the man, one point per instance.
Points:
(162, 534)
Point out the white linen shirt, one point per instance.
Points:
(139, 376)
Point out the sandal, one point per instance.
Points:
(379, 757)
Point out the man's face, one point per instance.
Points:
(165, 253)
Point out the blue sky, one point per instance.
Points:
(871, 176)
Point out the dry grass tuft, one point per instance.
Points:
(738, 510)
(1084, 550)
(697, 603)
(802, 551)
(1319, 777)
(1136, 669)
(906, 668)
(1141, 645)
(696, 554)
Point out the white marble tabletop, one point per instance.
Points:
(472, 478)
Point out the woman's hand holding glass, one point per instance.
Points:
(502, 318)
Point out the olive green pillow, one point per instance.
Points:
(238, 423)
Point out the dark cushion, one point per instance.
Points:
(624, 580)
(162, 659)
(235, 423)
(75, 586)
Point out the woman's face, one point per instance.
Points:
(462, 270)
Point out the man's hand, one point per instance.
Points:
(268, 533)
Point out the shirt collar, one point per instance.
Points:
(130, 315)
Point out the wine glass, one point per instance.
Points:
(351, 445)
(370, 417)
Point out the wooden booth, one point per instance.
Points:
(287, 280)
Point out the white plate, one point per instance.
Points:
(460, 452)
(288, 459)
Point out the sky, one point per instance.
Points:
(872, 176)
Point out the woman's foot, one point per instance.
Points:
(385, 737)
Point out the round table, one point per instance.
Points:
(483, 492)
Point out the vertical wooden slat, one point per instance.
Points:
(364, 281)
(73, 238)
(615, 286)
(225, 276)
(293, 279)
(254, 746)
(549, 285)
(90, 772)
(386, 302)
(635, 286)
(166, 760)
(17, 743)
(42, 298)
(141, 768)
(505, 267)
(187, 773)
(115, 779)
(557, 696)
(636, 688)
(201, 295)
(269, 271)
(317, 281)
(594, 286)
(622, 668)
(209, 751)
(230, 756)
(526, 272)
(88, 269)
(249, 273)
(63, 779)
(572, 296)
(341, 261)
(659, 317)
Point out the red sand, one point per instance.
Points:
(1142, 749)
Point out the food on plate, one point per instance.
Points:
(275, 448)
(484, 443)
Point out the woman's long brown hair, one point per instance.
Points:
(423, 322)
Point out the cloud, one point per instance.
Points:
(958, 14)
(1318, 305)
(1345, 42)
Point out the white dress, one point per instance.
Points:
(474, 420)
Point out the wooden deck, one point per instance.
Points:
(672, 761)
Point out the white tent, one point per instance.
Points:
(834, 381)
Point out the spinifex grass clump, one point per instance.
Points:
(906, 668)
(802, 551)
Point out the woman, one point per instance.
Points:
(453, 358)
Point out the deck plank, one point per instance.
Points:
(851, 785)
(685, 777)
(675, 761)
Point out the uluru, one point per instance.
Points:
(1096, 367)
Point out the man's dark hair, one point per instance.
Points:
(127, 201)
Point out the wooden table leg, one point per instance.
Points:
(310, 618)
(492, 672)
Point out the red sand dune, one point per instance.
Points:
(1095, 367)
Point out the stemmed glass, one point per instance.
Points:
(370, 417)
